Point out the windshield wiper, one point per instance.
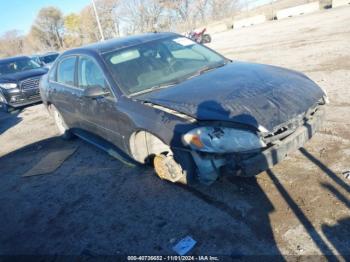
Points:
(205, 69)
(210, 67)
(172, 83)
(157, 87)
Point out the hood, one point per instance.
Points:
(16, 77)
(245, 93)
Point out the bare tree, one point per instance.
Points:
(108, 17)
(37, 41)
(202, 7)
(48, 27)
(223, 8)
(88, 25)
(73, 35)
(11, 43)
(141, 15)
(188, 13)
(182, 10)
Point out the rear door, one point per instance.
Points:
(99, 115)
(64, 92)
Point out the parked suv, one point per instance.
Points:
(45, 60)
(19, 82)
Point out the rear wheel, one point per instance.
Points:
(4, 107)
(60, 123)
(177, 168)
(206, 39)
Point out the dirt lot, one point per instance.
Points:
(94, 204)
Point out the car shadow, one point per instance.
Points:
(325, 169)
(233, 213)
(337, 234)
(244, 201)
(307, 224)
(18, 161)
(241, 198)
(241, 202)
(8, 120)
(262, 206)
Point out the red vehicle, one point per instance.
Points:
(199, 36)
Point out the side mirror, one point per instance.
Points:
(95, 92)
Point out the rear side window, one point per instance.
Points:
(66, 71)
(90, 74)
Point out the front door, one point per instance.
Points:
(100, 116)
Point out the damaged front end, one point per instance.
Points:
(226, 151)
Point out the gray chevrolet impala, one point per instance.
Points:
(193, 114)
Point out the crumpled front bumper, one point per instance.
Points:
(273, 155)
(211, 166)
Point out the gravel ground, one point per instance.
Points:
(94, 205)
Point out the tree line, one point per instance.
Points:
(51, 30)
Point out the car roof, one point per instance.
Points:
(45, 54)
(50, 53)
(119, 43)
(13, 59)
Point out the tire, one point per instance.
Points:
(177, 167)
(62, 127)
(206, 39)
(4, 107)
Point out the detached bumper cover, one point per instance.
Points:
(211, 166)
(273, 155)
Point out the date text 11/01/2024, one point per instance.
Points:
(173, 258)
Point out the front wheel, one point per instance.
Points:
(176, 167)
(60, 123)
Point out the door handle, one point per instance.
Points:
(100, 98)
(97, 99)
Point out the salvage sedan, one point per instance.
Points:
(163, 99)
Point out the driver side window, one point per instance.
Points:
(90, 74)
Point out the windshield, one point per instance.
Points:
(48, 58)
(18, 65)
(160, 63)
